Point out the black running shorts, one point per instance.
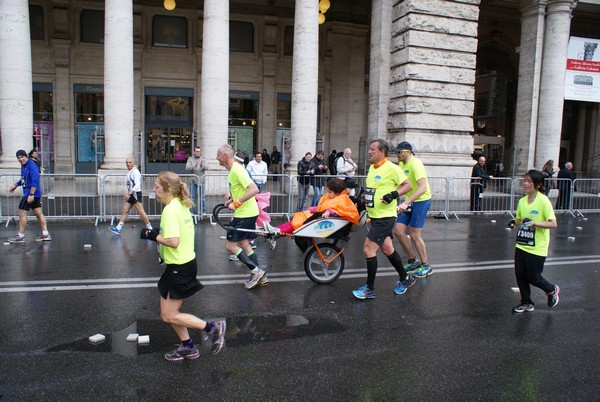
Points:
(242, 223)
(134, 200)
(179, 281)
(381, 229)
(25, 206)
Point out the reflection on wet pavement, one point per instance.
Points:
(241, 331)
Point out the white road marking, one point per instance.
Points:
(232, 279)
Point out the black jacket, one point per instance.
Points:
(319, 171)
(479, 175)
(303, 168)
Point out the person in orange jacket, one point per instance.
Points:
(336, 202)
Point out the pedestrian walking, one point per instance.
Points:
(31, 199)
(133, 197)
(385, 183)
(178, 282)
(535, 217)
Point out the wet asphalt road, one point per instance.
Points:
(450, 337)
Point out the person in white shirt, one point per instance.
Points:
(133, 197)
(258, 171)
(346, 167)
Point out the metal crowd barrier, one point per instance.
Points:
(585, 196)
(114, 189)
(469, 196)
(101, 197)
(64, 196)
(216, 186)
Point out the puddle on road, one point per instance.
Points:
(241, 331)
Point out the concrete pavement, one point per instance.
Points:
(450, 337)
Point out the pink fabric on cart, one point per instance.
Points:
(264, 201)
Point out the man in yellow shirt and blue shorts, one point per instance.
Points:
(413, 211)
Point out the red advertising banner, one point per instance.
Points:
(582, 76)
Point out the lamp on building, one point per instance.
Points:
(324, 6)
(169, 5)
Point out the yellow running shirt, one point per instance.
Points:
(535, 241)
(239, 180)
(380, 181)
(176, 221)
(414, 170)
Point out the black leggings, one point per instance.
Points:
(528, 270)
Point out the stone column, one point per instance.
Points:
(530, 65)
(16, 93)
(580, 154)
(63, 112)
(593, 148)
(305, 80)
(268, 101)
(379, 69)
(433, 60)
(64, 160)
(347, 98)
(552, 85)
(118, 83)
(214, 84)
(139, 144)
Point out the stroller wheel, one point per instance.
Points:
(318, 269)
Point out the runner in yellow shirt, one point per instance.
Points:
(245, 211)
(535, 216)
(178, 282)
(413, 211)
(385, 183)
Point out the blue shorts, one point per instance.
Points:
(242, 223)
(415, 218)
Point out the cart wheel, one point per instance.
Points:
(317, 270)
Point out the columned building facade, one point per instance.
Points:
(89, 83)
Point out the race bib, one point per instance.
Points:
(526, 236)
(369, 196)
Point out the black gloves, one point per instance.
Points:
(149, 234)
(511, 224)
(388, 198)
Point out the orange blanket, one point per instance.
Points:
(342, 205)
